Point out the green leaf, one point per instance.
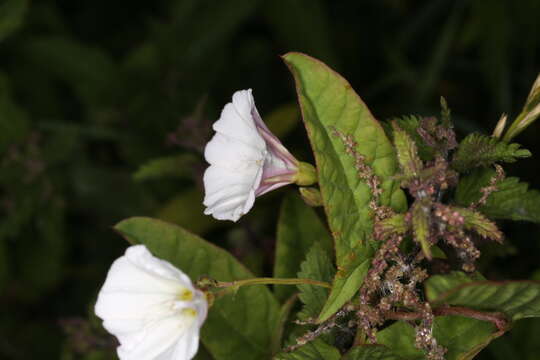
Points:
(410, 124)
(393, 225)
(91, 73)
(317, 266)
(238, 326)
(420, 223)
(371, 352)
(482, 150)
(399, 337)
(169, 166)
(194, 220)
(298, 229)
(513, 200)
(282, 120)
(407, 153)
(442, 283)
(314, 350)
(473, 220)
(330, 107)
(284, 314)
(517, 299)
(463, 337)
(12, 14)
(14, 124)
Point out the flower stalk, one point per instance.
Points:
(270, 281)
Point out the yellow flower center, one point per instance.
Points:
(189, 312)
(185, 295)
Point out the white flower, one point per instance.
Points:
(246, 160)
(151, 307)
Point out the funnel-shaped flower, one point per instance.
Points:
(246, 161)
(151, 307)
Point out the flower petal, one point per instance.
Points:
(230, 153)
(143, 304)
(157, 338)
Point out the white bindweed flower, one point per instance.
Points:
(151, 307)
(246, 160)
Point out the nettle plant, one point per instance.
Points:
(393, 274)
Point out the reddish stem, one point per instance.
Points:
(498, 319)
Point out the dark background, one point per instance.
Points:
(92, 90)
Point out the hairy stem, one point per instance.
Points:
(497, 318)
(269, 281)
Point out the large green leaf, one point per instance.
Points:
(371, 352)
(330, 107)
(517, 299)
(298, 229)
(314, 350)
(462, 337)
(238, 326)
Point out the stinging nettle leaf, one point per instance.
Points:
(421, 214)
(330, 107)
(463, 337)
(407, 153)
(317, 266)
(393, 225)
(513, 200)
(481, 150)
(298, 229)
(248, 318)
(517, 299)
(473, 220)
(410, 124)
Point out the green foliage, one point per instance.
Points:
(317, 266)
(88, 71)
(249, 330)
(530, 112)
(420, 224)
(315, 350)
(473, 220)
(282, 120)
(371, 352)
(12, 14)
(14, 124)
(407, 154)
(392, 225)
(481, 150)
(517, 299)
(337, 111)
(463, 337)
(512, 200)
(299, 229)
(410, 124)
(174, 211)
(169, 166)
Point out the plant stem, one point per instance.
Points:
(268, 281)
(498, 319)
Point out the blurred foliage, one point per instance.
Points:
(92, 92)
